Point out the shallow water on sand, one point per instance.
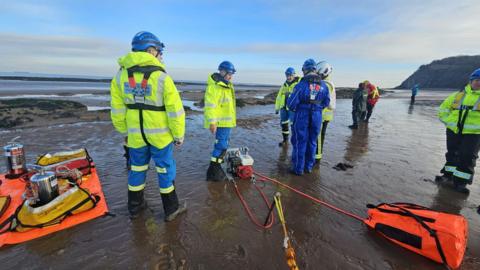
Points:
(395, 158)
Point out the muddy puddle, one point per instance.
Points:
(394, 158)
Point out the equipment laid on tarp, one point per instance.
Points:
(75, 159)
(4, 203)
(44, 187)
(61, 191)
(15, 160)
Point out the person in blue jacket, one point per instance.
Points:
(307, 100)
(415, 89)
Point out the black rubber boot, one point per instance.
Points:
(171, 206)
(285, 140)
(353, 126)
(444, 178)
(460, 186)
(215, 172)
(136, 203)
(285, 132)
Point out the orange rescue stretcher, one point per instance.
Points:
(442, 237)
(14, 189)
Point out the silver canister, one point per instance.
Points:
(44, 187)
(15, 158)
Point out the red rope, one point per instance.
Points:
(265, 178)
(249, 211)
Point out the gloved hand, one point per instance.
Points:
(277, 112)
(178, 142)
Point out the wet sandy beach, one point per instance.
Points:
(395, 158)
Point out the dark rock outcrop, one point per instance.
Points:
(451, 72)
(28, 111)
(41, 104)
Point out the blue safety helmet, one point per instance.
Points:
(143, 40)
(309, 65)
(227, 66)
(475, 75)
(290, 71)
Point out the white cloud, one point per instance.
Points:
(59, 54)
(40, 17)
(414, 34)
(411, 33)
(30, 10)
(400, 36)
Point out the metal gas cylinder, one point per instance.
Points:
(15, 159)
(44, 187)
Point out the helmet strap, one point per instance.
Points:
(223, 73)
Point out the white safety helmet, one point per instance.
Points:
(324, 69)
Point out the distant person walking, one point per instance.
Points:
(310, 96)
(359, 105)
(281, 103)
(373, 96)
(146, 105)
(415, 90)
(460, 113)
(324, 70)
(220, 116)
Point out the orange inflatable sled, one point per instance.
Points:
(15, 189)
(436, 235)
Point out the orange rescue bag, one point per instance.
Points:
(439, 236)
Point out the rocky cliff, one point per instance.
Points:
(451, 72)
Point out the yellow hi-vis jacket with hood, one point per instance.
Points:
(219, 103)
(151, 112)
(460, 112)
(327, 113)
(284, 92)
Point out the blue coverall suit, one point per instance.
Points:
(308, 99)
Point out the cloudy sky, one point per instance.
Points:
(383, 41)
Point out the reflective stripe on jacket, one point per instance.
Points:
(327, 114)
(284, 92)
(157, 105)
(460, 111)
(219, 103)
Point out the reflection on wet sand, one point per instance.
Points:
(410, 109)
(216, 233)
(357, 144)
(221, 213)
(283, 163)
(447, 200)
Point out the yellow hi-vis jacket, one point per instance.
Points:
(284, 92)
(327, 113)
(151, 112)
(464, 106)
(219, 103)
